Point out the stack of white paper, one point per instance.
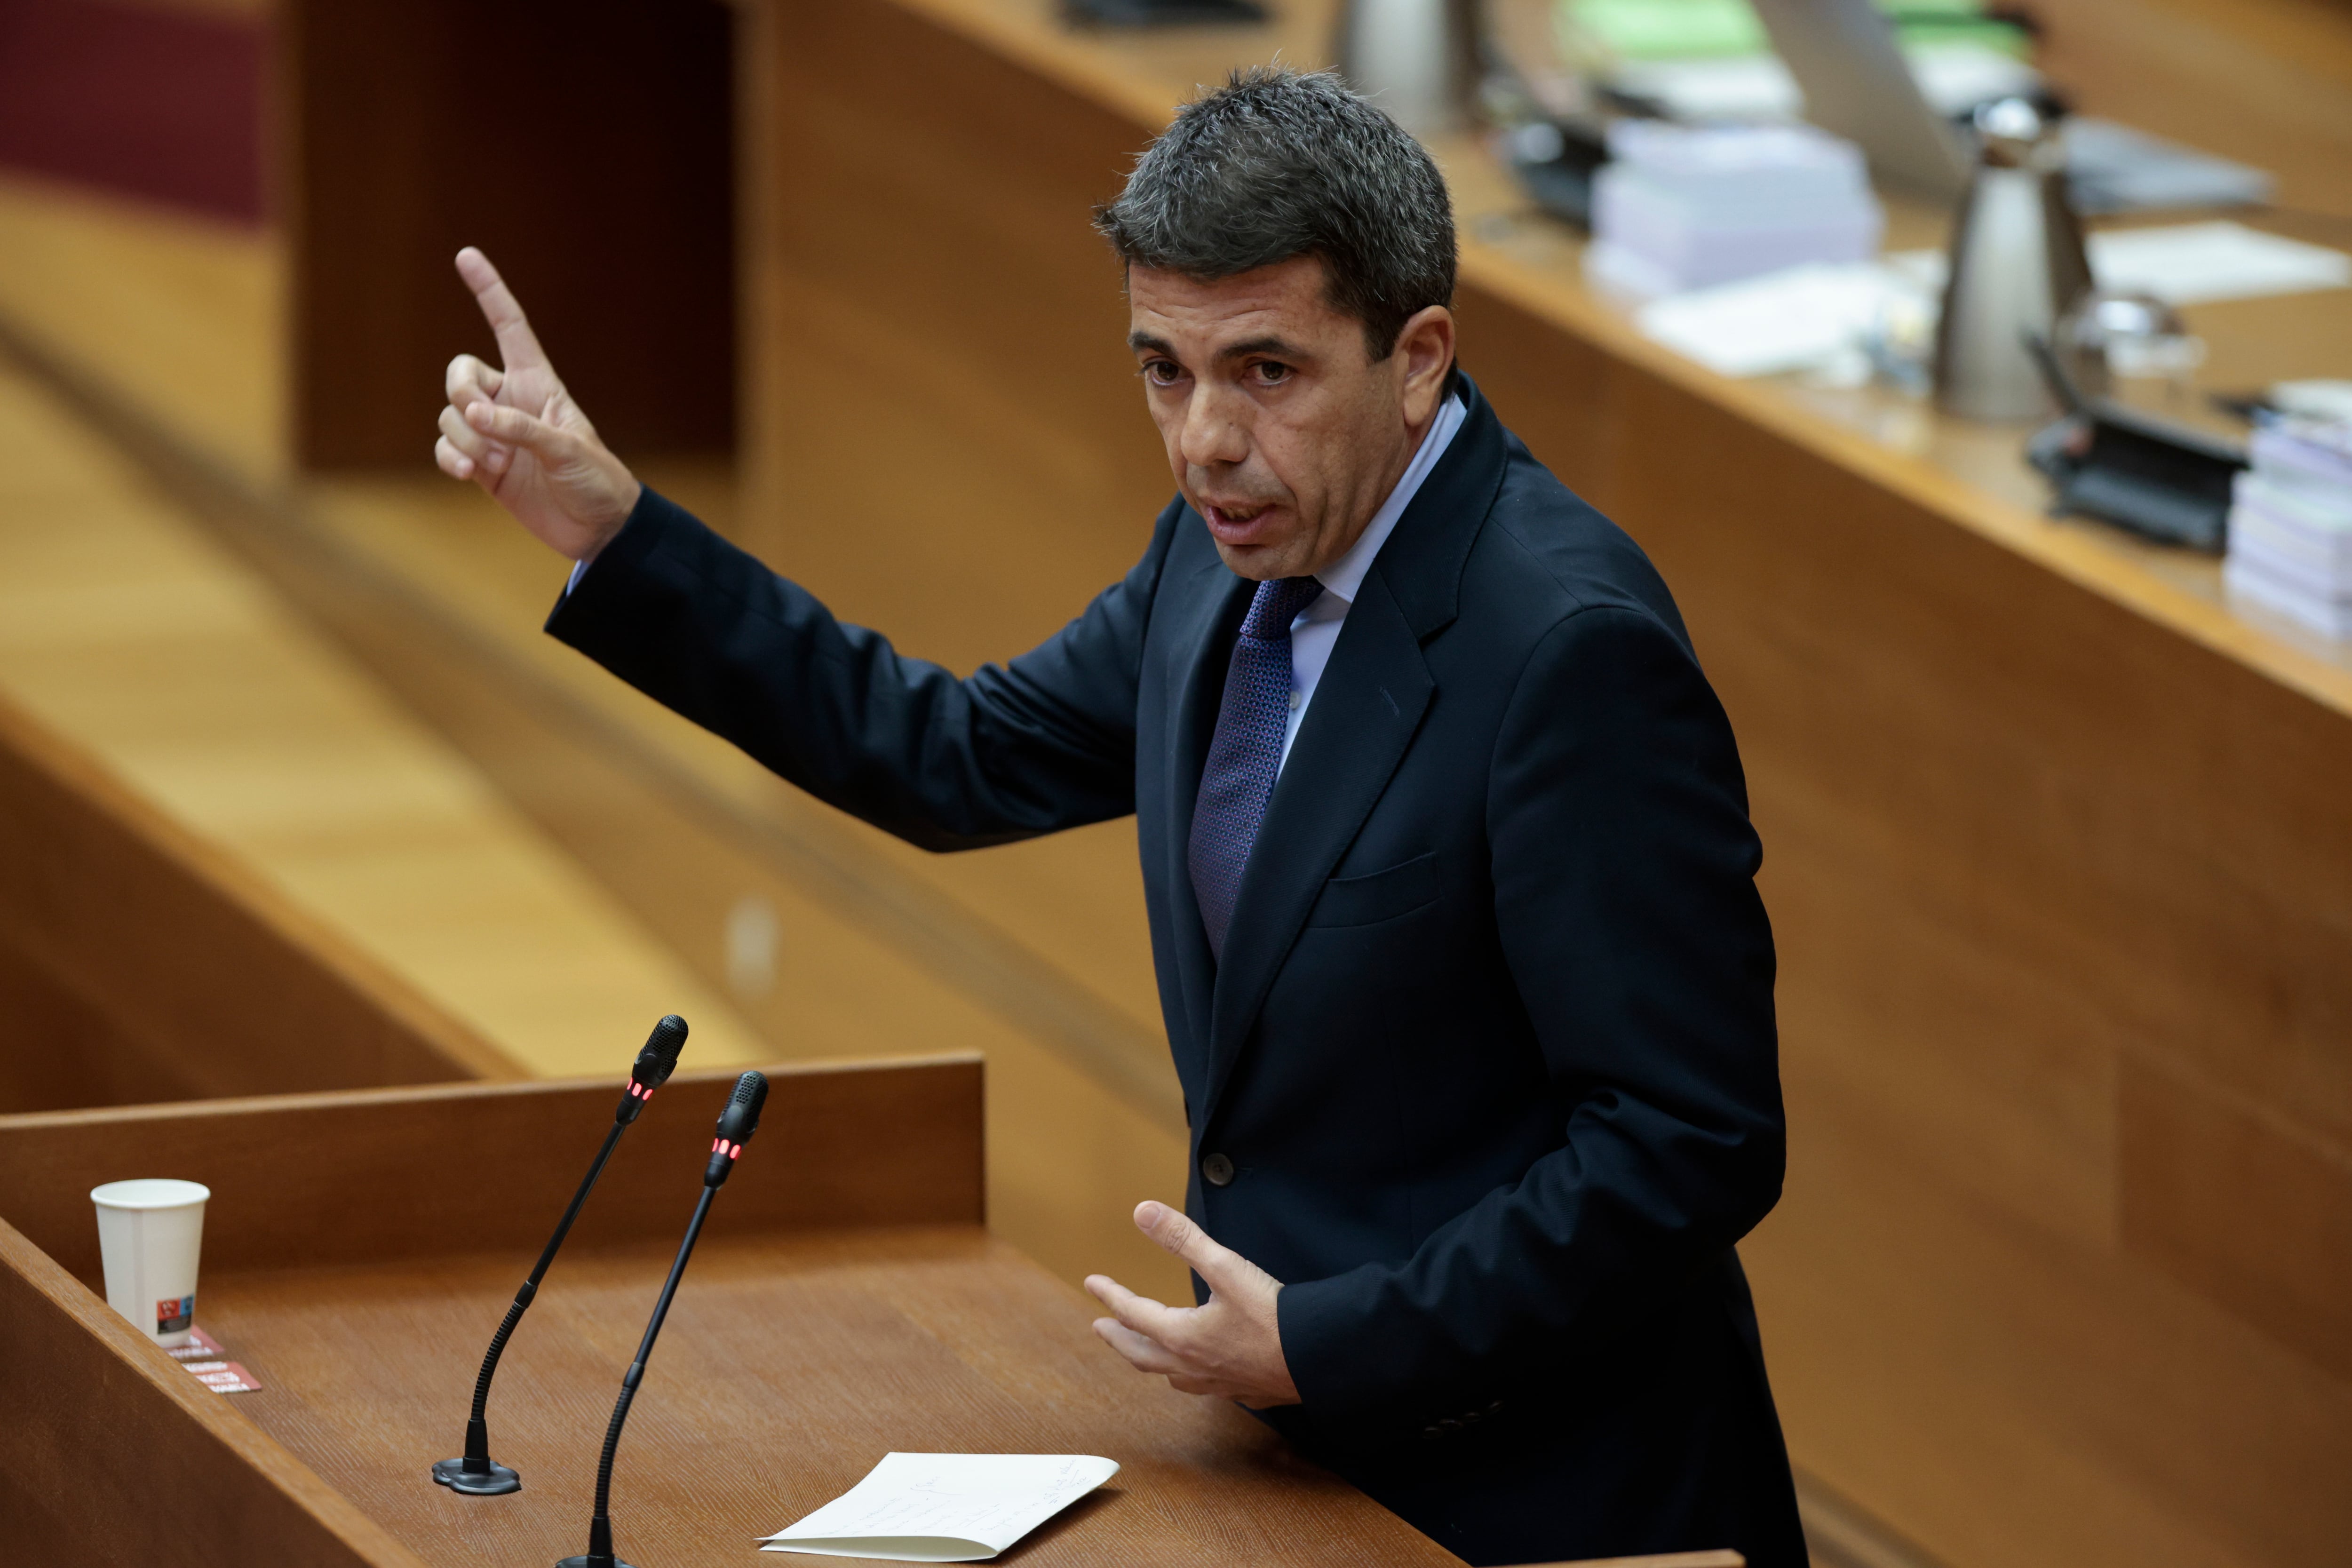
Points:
(944, 1508)
(1682, 207)
(2291, 524)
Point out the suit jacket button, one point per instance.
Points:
(1217, 1170)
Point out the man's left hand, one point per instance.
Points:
(1229, 1349)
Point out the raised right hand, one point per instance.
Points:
(516, 432)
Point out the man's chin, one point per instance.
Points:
(1258, 562)
(1262, 545)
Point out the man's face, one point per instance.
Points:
(1282, 433)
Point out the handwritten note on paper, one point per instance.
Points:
(944, 1508)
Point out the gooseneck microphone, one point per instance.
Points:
(736, 1125)
(475, 1473)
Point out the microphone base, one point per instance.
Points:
(591, 1563)
(498, 1482)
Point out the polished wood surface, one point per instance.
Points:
(142, 637)
(789, 1366)
(2267, 83)
(586, 147)
(906, 452)
(182, 318)
(114, 1456)
(143, 963)
(845, 1303)
(2054, 845)
(391, 1175)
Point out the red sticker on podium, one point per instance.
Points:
(224, 1376)
(204, 1356)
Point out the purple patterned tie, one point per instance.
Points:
(1246, 753)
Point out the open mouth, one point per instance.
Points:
(1240, 523)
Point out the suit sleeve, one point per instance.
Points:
(1624, 869)
(1045, 742)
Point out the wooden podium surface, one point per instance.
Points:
(846, 1301)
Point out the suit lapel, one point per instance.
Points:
(1366, 709)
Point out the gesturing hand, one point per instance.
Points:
(1229, 1349)
(516, 432)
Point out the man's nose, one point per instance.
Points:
(1212, 437)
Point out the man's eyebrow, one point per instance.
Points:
(1280, 348)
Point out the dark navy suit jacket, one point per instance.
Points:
(1491, 1051)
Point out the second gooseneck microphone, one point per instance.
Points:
(736, 1125)
(475, 1473)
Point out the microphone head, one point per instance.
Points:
(741, 1117)
(659, 1059)
(736, 1125)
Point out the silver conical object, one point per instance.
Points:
(2017, 262)
(1417, 59)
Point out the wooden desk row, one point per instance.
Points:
(139, 964)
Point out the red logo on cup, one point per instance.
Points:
(173, 1313)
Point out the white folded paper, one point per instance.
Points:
(944, 1508)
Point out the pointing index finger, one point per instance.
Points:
(517, 345)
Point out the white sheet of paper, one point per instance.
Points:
(2193, 263)
(1802, 316)
(2184, 264)
(944, 1508)
(1782, 322)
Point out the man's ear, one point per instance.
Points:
(1426, 349)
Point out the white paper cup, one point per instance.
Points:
(149, 1232)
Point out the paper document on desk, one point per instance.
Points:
(1792, 320)
(944, 1508)
(2196, 263)
(2182, 263)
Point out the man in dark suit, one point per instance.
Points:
(1444, 834)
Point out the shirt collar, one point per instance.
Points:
(1344, 577)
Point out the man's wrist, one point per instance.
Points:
(587, 558)
(633, 493)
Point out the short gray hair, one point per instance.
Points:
(1279, 163)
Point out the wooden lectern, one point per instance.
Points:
(360, 1246)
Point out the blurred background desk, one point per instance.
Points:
(2055, 841)
(139, 964)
